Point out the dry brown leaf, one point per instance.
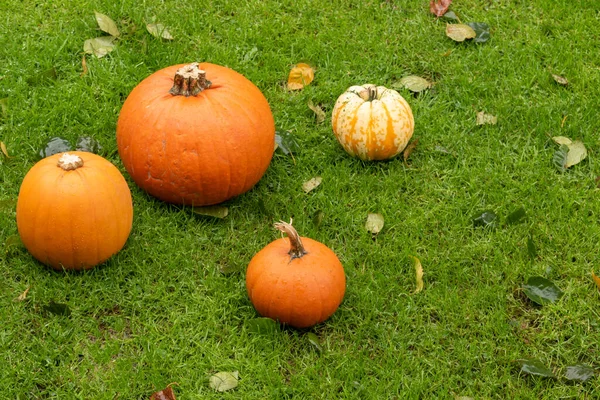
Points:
(409, 149)
(318, 111)
(300, 76)
(596, 279)
(460, 32)
(439, 7)
(418, 274)
(165, 394)
(4, 150)
(23, 295)
(311, 184)
(83, 66)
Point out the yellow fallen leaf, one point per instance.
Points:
(418, 273)
(311, 184)
(374, 223)
(23, 295)
(596, 279)
(83, 66)
(460, 32)
(318, 111)
(300, 76)
(4, 150)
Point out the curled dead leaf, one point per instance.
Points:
(439, 7)
(165, 394)
(318, 111)
(23, 295)
(83, 66)
(596, 279)
(301, 75)
(418, 274)
(4, 149)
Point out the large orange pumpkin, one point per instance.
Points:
(296, 281)
(74, 210)
(372, 122)
(196, 134)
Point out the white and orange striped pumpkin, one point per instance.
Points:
(372, 122)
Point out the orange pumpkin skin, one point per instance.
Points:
(196, 150)
(74, 219)
(372, 122)
(300, 292)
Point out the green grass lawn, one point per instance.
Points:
(163, 310)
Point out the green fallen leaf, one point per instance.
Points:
(516, 216)
(531, 249)
(374, 223)
(159, 31)
(559, 159)
(224, 381)
(212, 211)
(42, 77)
(482, 31)
(106, 24)
(460, 32)
(451, 15)
(542, 291)
(58, 309)
(313, 339)
(54, 146)
(535, 367)
(487, 219)
(579, 372)
(262, 326)
(99, 46)
(89, 144)
(318, 218)
(286, 142)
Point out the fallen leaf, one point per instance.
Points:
(451, 15)
(418, 273)
(579, 372)
(99, 46)
(212, 211)
(313, 339)
(106, 24)
(409, 149)
(482, 31)
(4, 150)
(311, 184)
(318, 218)
(159, 31)
(460, 32)
(83, 66)
(4, 105)
(42, 77)
(89, 144)
(58, 309)
(542, 291)
(165, 394)
(374, 223)
(223, 381)
(415, 83)
(562, 123)
(318, 111)
(54, 146)
(516, 216)
(439, 7)
(262, 326)
(485, 219)
(531, 249)
(559, 159)
(562, 140)
(577, 153)
(535, 367)
(560, 80)
(486, 119)
(596, 280)
(286, 142)
(23, 295)
(300, 76)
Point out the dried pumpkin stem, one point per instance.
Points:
(372, 93)
(189, 80)
(296, 247)
(70, 162)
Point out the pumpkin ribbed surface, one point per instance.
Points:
(197, 149)
(372, 122)
(76, 218)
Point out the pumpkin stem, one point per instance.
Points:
(189, 80)
(296, 247)
(70, 162)
(372, 92)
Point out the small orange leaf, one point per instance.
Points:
(300, 76)
(84, 66)
(409, 149)
(4, 150)
(596, 279)
(23, 295)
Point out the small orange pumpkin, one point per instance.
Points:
(196, 134)
(372, 122)
(74, 210)
(296, 281)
